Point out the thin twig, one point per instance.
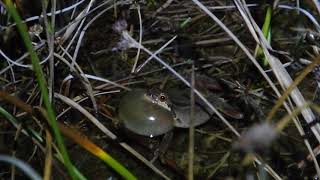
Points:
(157, 52)
(163, 6)
(78, 46)
(140, 39)
(75, 54)
(84, 79)
(191, 128)
(81, 99)
(49, 14)
(316, 3)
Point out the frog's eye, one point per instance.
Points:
(162, 98)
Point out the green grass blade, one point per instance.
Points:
(266, 31)
(42, 85)
(267, 22)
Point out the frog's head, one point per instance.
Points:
(158, 97)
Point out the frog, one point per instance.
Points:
(146, 112)
(152, 113)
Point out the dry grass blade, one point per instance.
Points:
(140, 39)
(87, 114)
(50, 37)
(317, 5)
(155, 53)
(305, 12)
(48, 160)
(163, 6)
(285, 95)
(79, 99)
(73, 27)
(75, 54)
(77, 69)
(285, 121)
(191, 128)
(105, 80)
(22, 166)
(221, 163)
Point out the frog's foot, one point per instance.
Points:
(163, 147)
(116, 123)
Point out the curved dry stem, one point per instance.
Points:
(155, 53)
(79, 99)
(75, 54)
(140, 39)
(84, 79)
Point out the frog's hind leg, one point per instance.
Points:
(163, 146)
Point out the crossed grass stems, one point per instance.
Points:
(78, 29)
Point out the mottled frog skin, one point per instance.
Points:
(180, 104)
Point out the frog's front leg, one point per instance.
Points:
(163, 146)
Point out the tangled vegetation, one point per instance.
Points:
(169, 89)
